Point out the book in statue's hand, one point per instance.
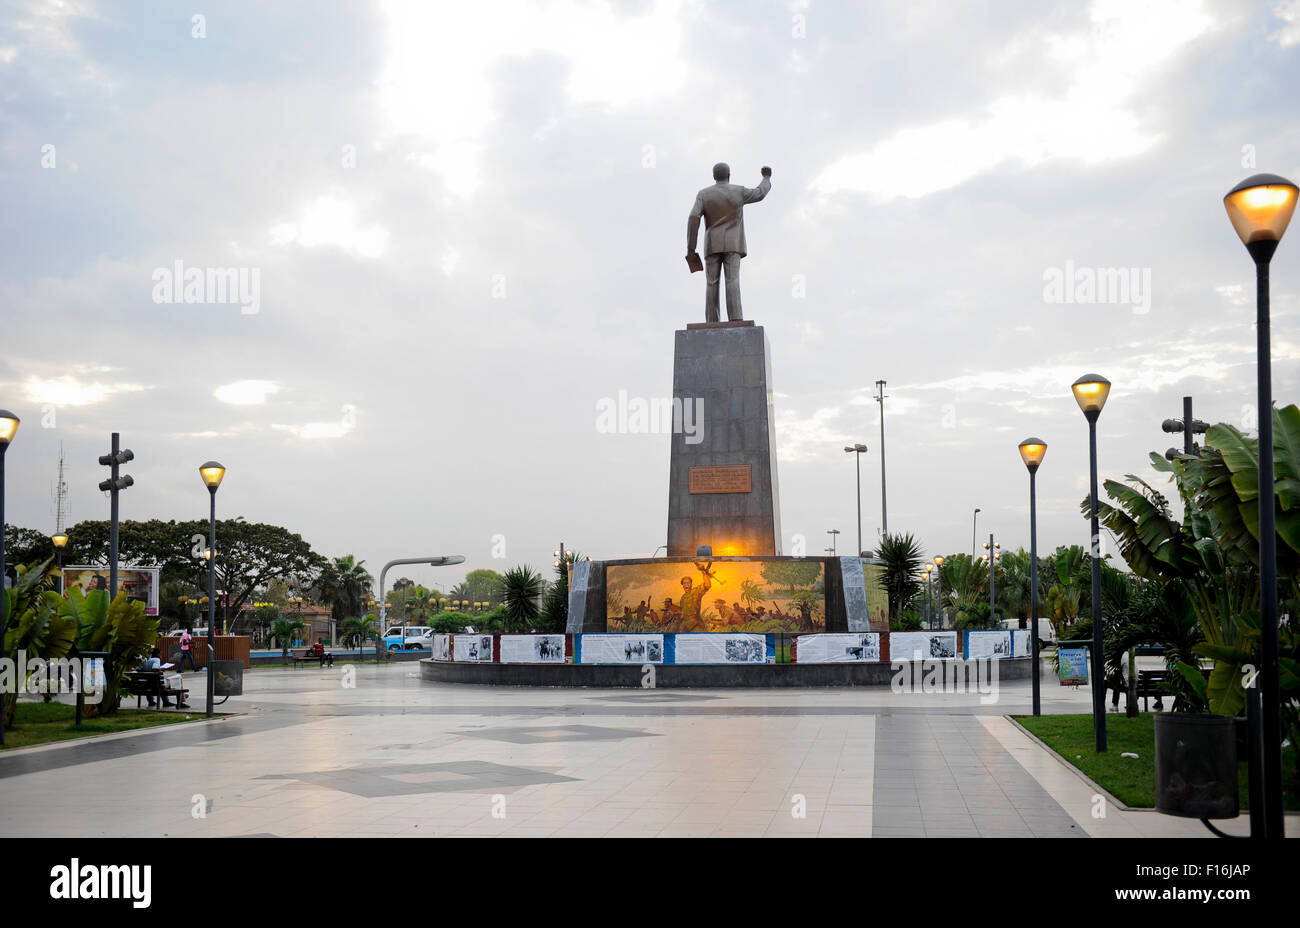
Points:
(694, 263)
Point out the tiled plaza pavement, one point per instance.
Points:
(393, 756)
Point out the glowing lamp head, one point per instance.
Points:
(1260, 208)
(60, 540)
(8, 427)
(212, 474)
(1090, 392)
(1032, 452)
(938, 560)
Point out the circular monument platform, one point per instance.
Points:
(690, 676)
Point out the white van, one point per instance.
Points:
(407, 638)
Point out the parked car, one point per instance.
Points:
(1046, 631)
(407, 638)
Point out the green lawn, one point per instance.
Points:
(1132, 782)
(41, 722)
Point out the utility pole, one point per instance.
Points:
(884, 498)
(114, 485)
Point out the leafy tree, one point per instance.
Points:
(521, 588)
(249, 554)
(451, 622)
(481, 586)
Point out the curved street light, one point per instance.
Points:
(1091, 392)
(1260, 209)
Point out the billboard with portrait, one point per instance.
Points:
(716, 596)
(138, 583)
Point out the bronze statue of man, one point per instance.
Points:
(722, 207)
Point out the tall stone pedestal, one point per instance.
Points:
(722, 487)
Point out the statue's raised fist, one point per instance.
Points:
(767, 172)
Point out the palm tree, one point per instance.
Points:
(359, 630)
(901, 555)
(344, 584)
(284, 631)
(521, 588)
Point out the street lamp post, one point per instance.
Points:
(1260, 208)
(857, 451)
(835, 538)
(8, 429)
(1090, 392)
(884, 498)
(929, 613)
(212, 474)
(60, 541)
(442, 560)
(993, 556)
(938, 582)
(974, 521)
(1032, 452)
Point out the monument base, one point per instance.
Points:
(722, 484)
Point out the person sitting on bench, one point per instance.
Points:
(154, 662)
(318, 651)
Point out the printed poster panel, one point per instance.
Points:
(907, 646)
(532, 649)
(138, 583)
(93, 677)
(476, 648)
(622, 649)
(837, 649)
(441, 647)
(1021, 645)
(873, 575)
(716, 596)
(990, 645)
(1073, 666)
(720, 649)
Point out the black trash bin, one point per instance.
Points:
(230, 678)
(1196, 765)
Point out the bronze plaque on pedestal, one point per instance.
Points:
(724, 479)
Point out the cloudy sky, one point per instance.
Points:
(465, 223)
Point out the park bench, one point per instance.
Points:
(304, 655)
(1149, 683)
(152, 684)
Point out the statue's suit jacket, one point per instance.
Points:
(722, 207)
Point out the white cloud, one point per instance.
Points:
(312, 430)
(332, 220)
(437, 85)
(1091, 122)
(71, 391)
(246, 392)
(1289, 34)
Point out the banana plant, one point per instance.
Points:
(118, 627)
(34, 625)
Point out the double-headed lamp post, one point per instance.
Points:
(1260, 208)
(1032, 452)
(1090, 392)
(928, 567)
(212, 474)
(8, 429)
(938, 582)
(857, 451)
